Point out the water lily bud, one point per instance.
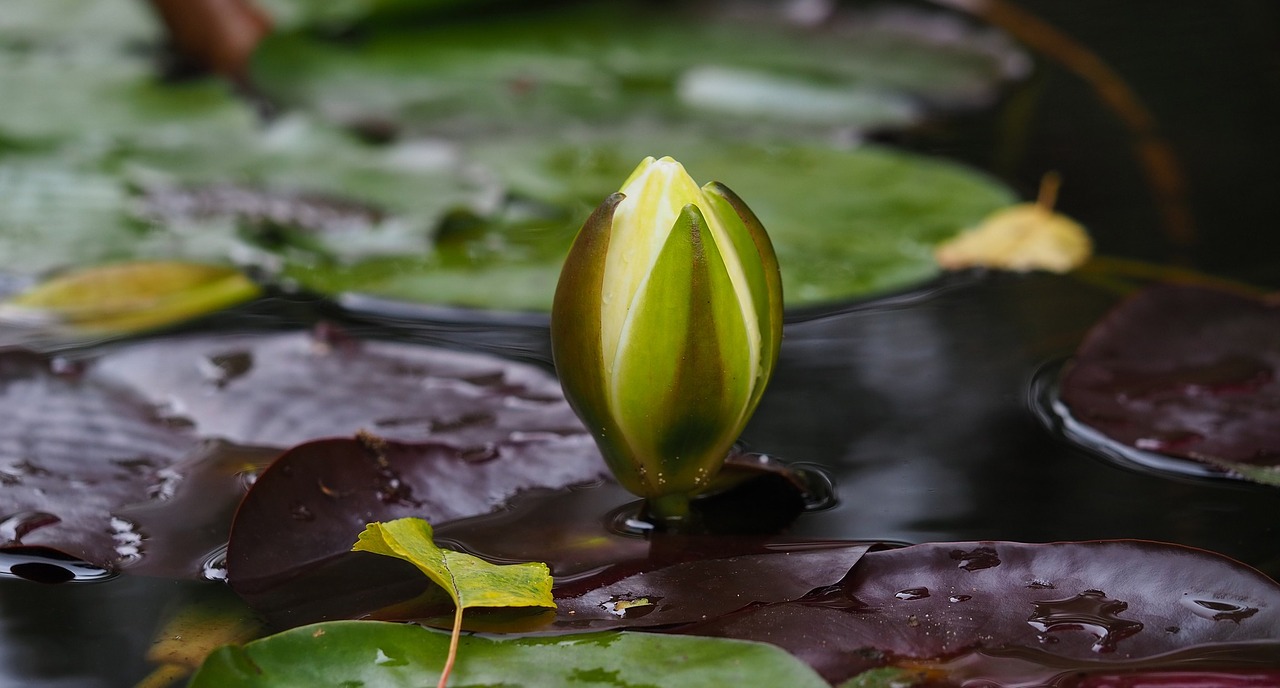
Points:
(665, 328)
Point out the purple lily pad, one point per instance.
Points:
(692, 591)
(1207, 678)
(1185, 371)
(136, 457)
(283, 390)
(307, 506)
(1066, 604)
(290, 549)
(71, 454)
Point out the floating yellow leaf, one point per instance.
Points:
(128, 297)
(470, 581)
(1027, 236)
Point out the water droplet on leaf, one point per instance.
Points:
(15, 526)
(300, 512)
(1090, 611)
(976, 559)
(1218, 610)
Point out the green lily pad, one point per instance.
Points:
(84, 74)
(341, 14)
(844, 223)
(372, 654)
(475, 200)
(600, 61)
(52, 214)
(556, 107)
(110, 99)
(74, 26)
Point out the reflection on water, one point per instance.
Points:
(79, 636)
(922, 414)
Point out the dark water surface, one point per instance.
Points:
(921, 406)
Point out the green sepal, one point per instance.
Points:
(681, 380)
(764, 278)
(576, 345)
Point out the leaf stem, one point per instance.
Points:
(453, 646)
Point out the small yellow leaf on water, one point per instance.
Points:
(470, 581)
(1023, 237)
(129, 297)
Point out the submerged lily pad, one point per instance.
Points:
(1185, 371)
(370, 653)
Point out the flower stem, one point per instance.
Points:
(669, 512)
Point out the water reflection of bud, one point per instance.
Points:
(665, 329)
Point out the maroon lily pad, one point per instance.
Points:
(1185, 371)
(285, 389)
(692, 591)
(1071, 604)
(290, 549)
(308, 506)
(71, 454)
(136, 457)
(1207, 678)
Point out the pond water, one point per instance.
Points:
(925, 408)
(930, 409)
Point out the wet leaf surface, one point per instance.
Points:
(384, 654)
(1182, 679)
(289, 553)
(74, 453)
(705, 588)
(1185, 371)
(113, 459)
(1086, 603)
(305, 509)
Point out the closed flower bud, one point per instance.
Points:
(665, 329)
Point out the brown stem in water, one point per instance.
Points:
(1153, 152)
(218, 35)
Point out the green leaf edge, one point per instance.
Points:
(737, 662)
